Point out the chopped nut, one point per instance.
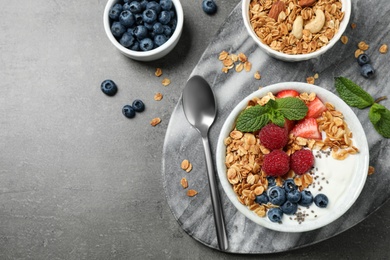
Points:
(158, 72)
(166, 82)
(191, 193)
(155, 121)
(184, 183)
(158, 96)
(383, 49)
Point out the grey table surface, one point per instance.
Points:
(80, 181)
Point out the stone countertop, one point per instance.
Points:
(80, 181)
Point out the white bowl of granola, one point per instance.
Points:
(292, 30)
(339, 172)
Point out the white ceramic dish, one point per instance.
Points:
(346, 7)
(346, 178)
(154, 54)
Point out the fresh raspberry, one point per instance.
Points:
(273, 137)
(301, 161)
(276, 163)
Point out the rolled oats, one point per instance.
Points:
(158, 96)
(191, 193)
(155, 121)
(184, 183)
(371, 170)
(186, 165)
(165, 82)
(358, 52)
(257, 75)
(383, 49)
(363, 46)
(158, 72)
(344, 39)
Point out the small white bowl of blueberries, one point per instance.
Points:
(143, 30)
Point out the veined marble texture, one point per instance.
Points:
(182, 141)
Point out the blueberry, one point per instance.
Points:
(173, 24)
(289, 208)
(149, 26)
(173, 14)
(166, 4)
(275, 215)
(126, 6)
(277, 195)
(126, 18)
(140, 32)
(367, 70)
(289, 185)
(115, 11)
(117, 29)
(262, 198)
(158, 28)
(135, 46)
(209, 6)
(294, 196)
(135, 7)
(321, 200)
(149, 16)
(146, 44)
(138, 105)
(128, 111)
(160, 39)
(154, 6)
(363, 59)
(271, 181)
(144, 3)
(109, 87)
(127, 40)
(138, 19)
(167, 30)
(164, 17)
(306, 198)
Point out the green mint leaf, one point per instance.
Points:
(380, 118)
(272, 105)
(253, 119)
(292, 108)
(277, 118)
(353, 94)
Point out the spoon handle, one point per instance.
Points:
(215, 198)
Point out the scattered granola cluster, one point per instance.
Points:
(295, 27)
(187, 167)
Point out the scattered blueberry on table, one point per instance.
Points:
(128, 111)
(138, 105)
(209, 6)
(366, 69)
(143, 25)
(109, 87)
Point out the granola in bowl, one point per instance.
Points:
(294, 30)
(337, 172)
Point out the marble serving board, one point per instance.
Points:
(182, 141)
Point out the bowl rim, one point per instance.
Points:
(358, 134)
(346, 7)
(144, 54)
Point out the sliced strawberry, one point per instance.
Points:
(287, 93)
(316, 107)
(307, 128)
(289, 124)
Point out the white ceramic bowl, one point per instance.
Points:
(153, 54)
(346, 7)
(346, 178)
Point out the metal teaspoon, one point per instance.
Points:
(200, 110)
